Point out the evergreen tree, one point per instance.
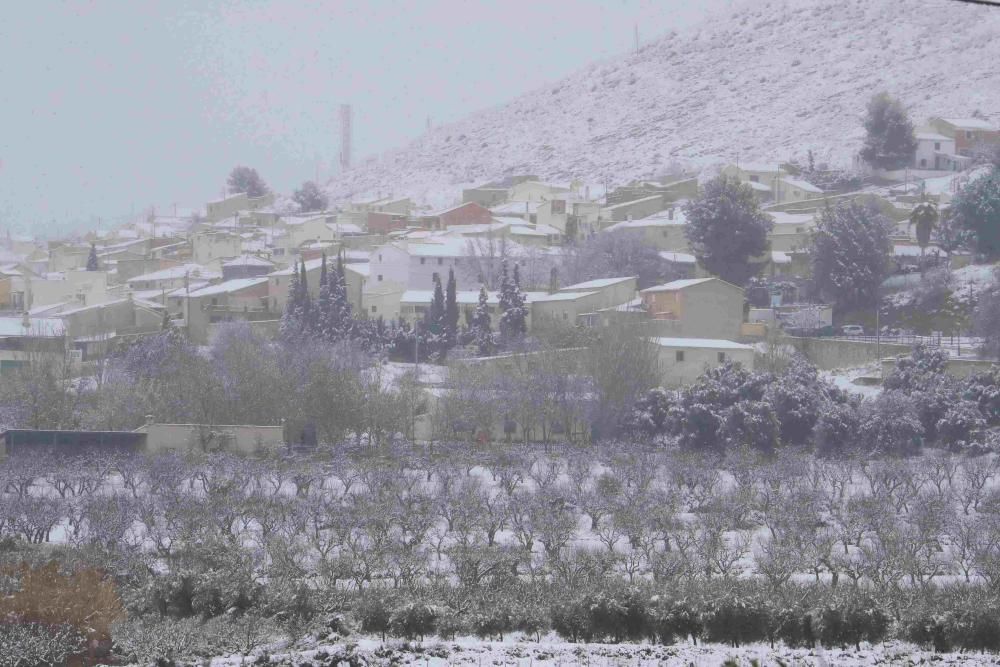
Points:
(92, 264)
(726, 229)
(976, 209)
(247, 180)
(890, 141)
(850, 254)
(310, 198)
(342, 317)
(513, 318)
(434, 321)
(481, 324)
(290, 327)
(451, 308)
(307, 318)
(326, 325)
(925, 217)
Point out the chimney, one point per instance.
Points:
(670, 213)
(586, 193)
(149, 420)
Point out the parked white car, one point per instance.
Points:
(852, 330)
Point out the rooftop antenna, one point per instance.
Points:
(636, 26)
(345, 137)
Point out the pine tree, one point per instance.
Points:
(890, 142)
(976, 209)
(92, 264)
(344, 321)
(726, 229)
(850, 254)
(451, 308)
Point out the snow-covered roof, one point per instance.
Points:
(439, 247)
(767, 167)
(708, 343)
(598, 283)
(39, 327)
(310, 266)
(99, 306)
(758, 186)
(521, 230)
(660, 219)
(362, 268)
(969, 123)
(175, 272)
(678, 257)
(676, 285)
(525, 207)
(565, 296)
(805, 186)
(345, 228)
(779, 257)
(932, 136)
(248, 260)
(228, 286)
(632, 202)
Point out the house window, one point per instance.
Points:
(937, 145)
(380, 257)
(923, 162)
(755, 179)
(722, 357)
(374, 309)
(423, 260)
(968, 134)
(440, 261)
(679, 355)
(380, 277)
(664, 233)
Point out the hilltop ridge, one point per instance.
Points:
(762, 81)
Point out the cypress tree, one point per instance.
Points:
(513, 320)
(451, 308)
(290, 325)
(92, 264)
(481, 324)
(435, 319)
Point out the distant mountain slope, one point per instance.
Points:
(766, 80)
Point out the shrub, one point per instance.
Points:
(670, 620)
(414, 620)
(735, 619)
(852, 620)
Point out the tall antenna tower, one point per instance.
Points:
(636, 33)
(345, 137)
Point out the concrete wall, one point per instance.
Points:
(697, 360)
(238, 438)
(960, 368)
(827, 353)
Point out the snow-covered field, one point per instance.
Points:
(749, 84)
(551, 651)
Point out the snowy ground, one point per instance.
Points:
(551, 651)
(844, 378)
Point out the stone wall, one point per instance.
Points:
(828, 353)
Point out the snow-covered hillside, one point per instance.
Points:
(765, 80)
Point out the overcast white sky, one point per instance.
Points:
(106, 106)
